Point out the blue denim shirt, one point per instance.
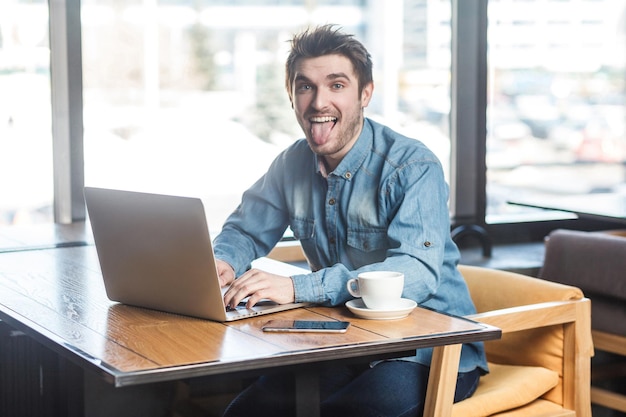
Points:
(383, 208)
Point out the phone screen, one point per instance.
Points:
(306, 326)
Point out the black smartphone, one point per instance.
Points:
(316, 326)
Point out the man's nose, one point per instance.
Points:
(321, 99)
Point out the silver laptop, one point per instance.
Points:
(155, 252)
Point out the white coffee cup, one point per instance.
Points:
(380, 290)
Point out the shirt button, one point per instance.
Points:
(331, 201)
(332, 240)
(427, 244)
(348, 175)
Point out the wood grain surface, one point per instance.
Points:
(57, 297)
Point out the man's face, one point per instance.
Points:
(328, 106)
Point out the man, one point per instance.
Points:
(359, 197)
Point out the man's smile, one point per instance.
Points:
(323, 119)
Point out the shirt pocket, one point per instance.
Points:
(368, 240)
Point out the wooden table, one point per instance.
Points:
(44, 236)
(609, 207)
(56, 297)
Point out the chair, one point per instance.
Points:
(596, 263)
(541, 366)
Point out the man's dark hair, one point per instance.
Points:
(328, 40)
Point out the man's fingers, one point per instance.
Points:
(259, 285)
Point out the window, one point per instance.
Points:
(174, 90)
(25, 109)
(556, 102)
(189, 98)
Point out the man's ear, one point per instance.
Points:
(366, 94)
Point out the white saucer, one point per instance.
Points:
(405, 306)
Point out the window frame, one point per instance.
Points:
(66, 83)
(468, 199)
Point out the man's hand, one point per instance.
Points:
(259, 285)
(225, 272)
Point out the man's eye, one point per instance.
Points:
(337, 86)
(304, 87)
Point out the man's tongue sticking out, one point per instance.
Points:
(320, 130)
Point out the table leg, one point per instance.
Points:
(307, 393)
(442, 381)
(71, 388)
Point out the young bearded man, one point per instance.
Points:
(359, 197)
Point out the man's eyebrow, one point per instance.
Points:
(336, 75)
(300, 77)
(331, 76)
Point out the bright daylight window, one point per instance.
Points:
(25, 110)
(188, 97)
(557, 101)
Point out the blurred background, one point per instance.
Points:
(187, 96)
